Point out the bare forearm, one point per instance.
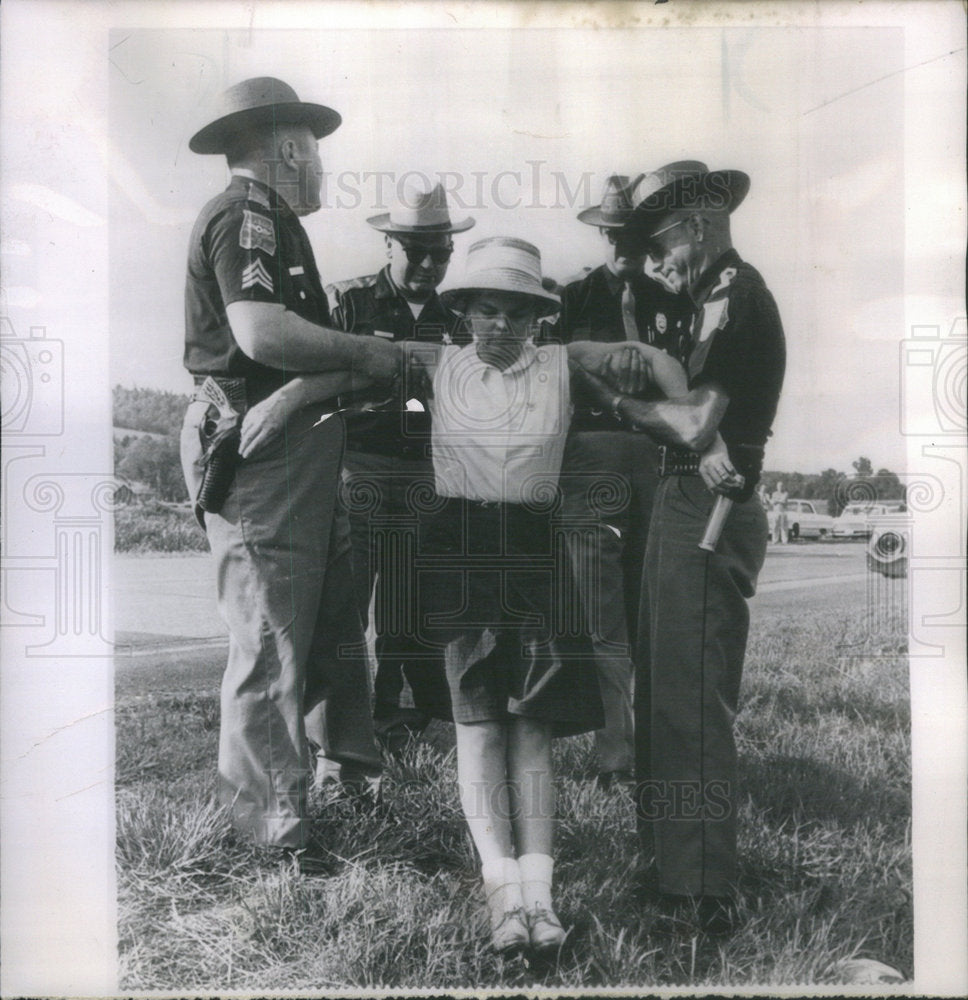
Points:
(668, 375)
(689, 421)
(631, 367)
(680, 422)
(277, 337)
(316, 387)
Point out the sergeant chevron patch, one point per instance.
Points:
(256, 274)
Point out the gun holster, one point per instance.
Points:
(219, 433)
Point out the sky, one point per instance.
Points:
(813, 115)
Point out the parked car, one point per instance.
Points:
(887, 549)
(855, 520)
(808, 519)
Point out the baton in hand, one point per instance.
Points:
(714, 526)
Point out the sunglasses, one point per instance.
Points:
(416, 254)
(619, 236)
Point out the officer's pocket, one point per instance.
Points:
(690, 497)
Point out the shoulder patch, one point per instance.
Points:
(339, 287)
(258, 196)
(725, 280)
(257, 233)
(714, 316)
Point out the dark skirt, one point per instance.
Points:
(495, 589)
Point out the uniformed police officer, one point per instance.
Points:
(695, 614)
(608, 476)
(256, 315)
(388, 454)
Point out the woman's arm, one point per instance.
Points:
(631, 367)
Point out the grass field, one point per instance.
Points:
(157, 527)
(824, 842)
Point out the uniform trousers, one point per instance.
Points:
(696, 619)
(387, 497)
(608, 480)
(296, 668)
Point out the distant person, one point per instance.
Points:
(608, 475)
(388, 455)
(695, 612)
(256, 315)
(778, 505)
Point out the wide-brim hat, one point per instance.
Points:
(418, 210)
(257, 103)
(502, 264)
(618, 201)
(683, 185)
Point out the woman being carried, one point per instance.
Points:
(490, 587)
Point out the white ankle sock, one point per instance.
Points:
(503, 874)
(536, 871)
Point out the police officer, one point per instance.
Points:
(608, 476)
(256, 315)
(694, 615)
(388, 454)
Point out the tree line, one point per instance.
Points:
(155, 462)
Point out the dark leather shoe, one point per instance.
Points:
(396, 738)
(607, 780)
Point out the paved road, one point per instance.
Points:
(168, 601)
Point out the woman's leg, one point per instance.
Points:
(531, 781)
(483, 781)
(532, 785)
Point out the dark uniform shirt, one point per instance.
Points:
(247, 246)
(738, 344)
(591, 309)
(373, 306)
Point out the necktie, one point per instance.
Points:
(628, 313)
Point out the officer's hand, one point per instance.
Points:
(626, 369)
(716, 469)
(264, 422)
(620, 368)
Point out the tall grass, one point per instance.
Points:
(824, 845)
(157, 527)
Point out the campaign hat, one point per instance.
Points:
(257, 103)
(418, 210)
(618, 200)
(682, 185)
(502, 264)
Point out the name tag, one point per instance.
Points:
(296, 270)
(383, 334)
